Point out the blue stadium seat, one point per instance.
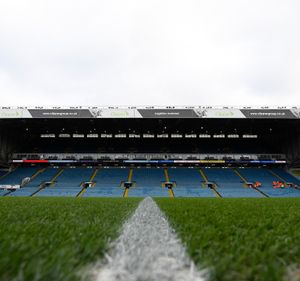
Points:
(68, 183)
(229, 184)
(264, 176)
(3, 192)
(286, 176)
(188, 183)
(16, 176)
(33, 186)
(108, 181)
(148, 183)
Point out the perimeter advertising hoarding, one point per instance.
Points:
(268, 113)
(219, 113)
(60, 113)
(168, 113)
(85, 113)
(115, 113)
(14, 113)
(296, 112)
(226, 113)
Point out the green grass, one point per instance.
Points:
(239, 239)
(55, 238)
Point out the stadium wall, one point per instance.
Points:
(292, 146)
(7, 144)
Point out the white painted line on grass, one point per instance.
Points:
(147, 250)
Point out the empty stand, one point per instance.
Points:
(171, 192)
(229, 184)
(148, 183)
(296, 173)
(142, 182)
(16, 176)
(128, 184)
(284, 176)
(264, 176)
(48, 179)
(108, 183)
(188, 183)
(66, 182)
(3, 192)
(3, 174)
(34, 185)
(209, 184)
(86, 185)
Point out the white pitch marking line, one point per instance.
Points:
(147, 250)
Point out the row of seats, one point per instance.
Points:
(108, 183)
(266, 178)
(229, 183)
(188, 183)
(148, 182)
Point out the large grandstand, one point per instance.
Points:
(73, 182)
(148, 151)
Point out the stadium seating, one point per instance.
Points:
(108, 183)
(34, 185)
(265, 176)
(285, 176)
(68, 183)
(229, 184)
(16, 176)
(296, 173)
(188, 183)
(3, 192)
(148, 183)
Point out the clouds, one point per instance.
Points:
(235, 52)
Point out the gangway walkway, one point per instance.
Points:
(43, 184)
(213, 186)
(107, 183)
(188, 183)
(27, 187)
(171, 192)
(266, 178)
(147, 182)
(129, 180)
(245, 183)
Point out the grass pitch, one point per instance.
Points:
(55, 238)
(240, 239)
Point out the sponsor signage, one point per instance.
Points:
(268, 113)
(14, 113)
(154, 161)
(168, 113)
(219, 113)
(115, 113)
(8, 186)
(180, 113)
(296, 112)
(60, 113)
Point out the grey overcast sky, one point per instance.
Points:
(154, 52)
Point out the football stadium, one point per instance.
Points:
(149, 193)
